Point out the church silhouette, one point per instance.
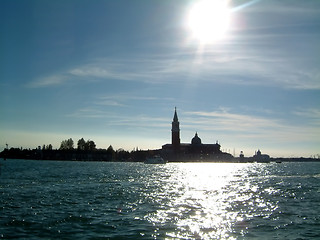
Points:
(194, 151)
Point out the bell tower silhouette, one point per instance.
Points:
(175, 132)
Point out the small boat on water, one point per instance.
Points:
(155, 160)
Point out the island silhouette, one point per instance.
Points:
(195, 151)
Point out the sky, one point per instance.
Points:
(113, 71)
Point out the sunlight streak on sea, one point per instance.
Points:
(208, 199)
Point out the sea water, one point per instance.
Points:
(100, 200)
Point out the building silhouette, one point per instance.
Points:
(194, 151)
(259, 157)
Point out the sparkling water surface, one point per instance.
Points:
(99, 200)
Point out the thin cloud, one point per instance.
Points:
(295, 7)
(232, 122)
(234, 64)
(309, 112)
(88, 112)
(249, 126)
(124, 97)
(91, 72)
(140, 121)
(110, 102)
(113, 119)
(310, 115)
(54, 80)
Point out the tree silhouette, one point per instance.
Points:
(66, 144)
(81, 144)
(111, 153)
(91, 145)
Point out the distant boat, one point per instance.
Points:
(155, 160)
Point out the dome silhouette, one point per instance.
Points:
(196, 140)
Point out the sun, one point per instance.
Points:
(209, 20)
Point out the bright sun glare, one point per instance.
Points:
(209, 20)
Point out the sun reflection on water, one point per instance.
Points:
(211, 200)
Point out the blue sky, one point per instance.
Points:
(112, 71)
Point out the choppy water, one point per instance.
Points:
(96, 200)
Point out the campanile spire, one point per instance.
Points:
(175, 117)
(175, 131)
